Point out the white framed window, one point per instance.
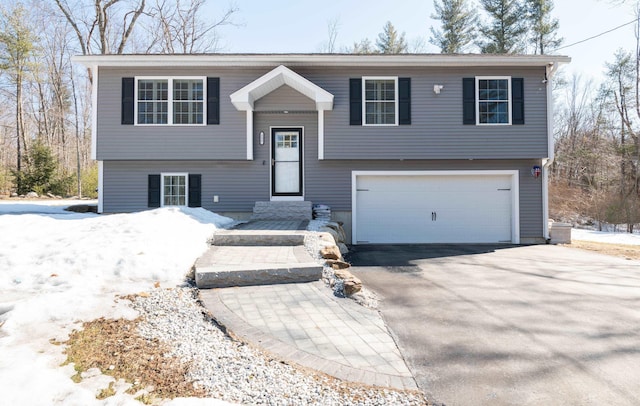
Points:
(170, 101)
(493, 100)
(174, 189)
(153, 96)
(380, 100)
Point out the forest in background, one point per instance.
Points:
(45, 99)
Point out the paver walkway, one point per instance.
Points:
(304, 323)
(301, 323)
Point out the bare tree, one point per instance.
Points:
(333, 28)
(105, 26)
(96, 31)
(179, 26)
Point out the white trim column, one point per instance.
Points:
(320, 135)
(249, 135)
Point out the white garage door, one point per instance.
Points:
(469, 207)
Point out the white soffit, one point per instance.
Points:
(244, 98)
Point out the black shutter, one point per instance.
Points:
(213, 101)
(153, 199)
(517, 101)
(404, 101)
(355, 101)
(126, 116)
(469, 101)
(195, 190)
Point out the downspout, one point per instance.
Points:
(546, 162)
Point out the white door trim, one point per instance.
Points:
(515, 192)
(302, 145)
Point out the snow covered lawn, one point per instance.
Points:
(606, 237)
(59, 268)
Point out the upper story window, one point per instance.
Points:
(493, 100)
(380, 96)
(153, 106)
(188, 101)
(162, 101)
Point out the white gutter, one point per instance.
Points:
(546, 163)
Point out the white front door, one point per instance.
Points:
(286, 160)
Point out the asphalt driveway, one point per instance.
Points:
(487, 325)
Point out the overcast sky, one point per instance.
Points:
(282, 26)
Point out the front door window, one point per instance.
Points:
(287, 162)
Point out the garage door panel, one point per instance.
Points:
(433, 208)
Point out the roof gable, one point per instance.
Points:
(244, 98)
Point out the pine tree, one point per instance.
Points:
(542, 26)
(389, 42)
(17, 47)
(504, 34)
(458, 23)
(363, 47)
(39, 174)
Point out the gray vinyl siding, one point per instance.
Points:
(240, 184)
(436, 139)
(285, 98)
(436, 131)
(225, 141)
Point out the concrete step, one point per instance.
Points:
(257, 238)
(255, 233)
(225, 266)
(282, 210)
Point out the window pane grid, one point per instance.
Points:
(152, 101)
(185, 95)
(380, 101)
(287, 140)
(493, 101)
(175, 188)
(189, 108)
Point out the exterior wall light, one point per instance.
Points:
(536, 171)
(437, 88)
(261, 137)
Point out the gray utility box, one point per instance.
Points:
(560, 233)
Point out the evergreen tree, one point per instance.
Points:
(542, 26)
(505, 31)
(38, 176)
(363, 47)
(17, 47)
(389, 42)
(458, 23)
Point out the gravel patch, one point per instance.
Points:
(232, 371)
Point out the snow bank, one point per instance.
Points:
(603, 236)
(40, 206)
(59, 269)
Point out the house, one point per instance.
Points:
(403, 148)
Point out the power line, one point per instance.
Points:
(598, 35)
